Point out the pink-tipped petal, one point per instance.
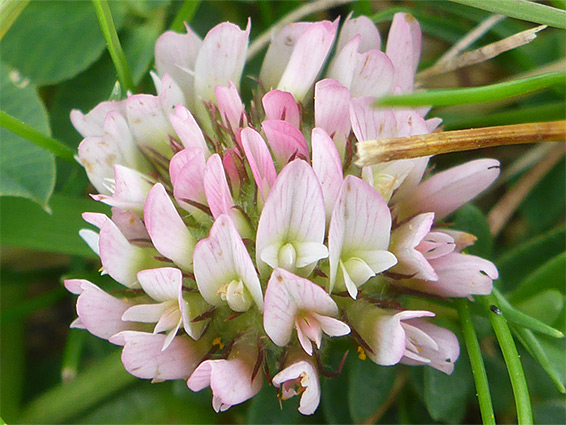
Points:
(98, 158)
(187, 170)
(232, 162)
(92, 123)
(447, 191)
(327, 167)
(435, 245)
(331, 111)
(307, 59)
(130, 225)
(168, 233)
(303, 373)
(161, 284)
(369, 123)
(373, 74)
(188, 130)
(96, 219)
(230, 105)
(281, 105)
(144, 358)
(99, 312)
(294, 212)
(285, 140)
(365, 28)
(216, 187)
(404, 49)
(260, 160)
(170, 95)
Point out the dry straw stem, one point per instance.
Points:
(504, 209)
(482, 54)
(382, 150)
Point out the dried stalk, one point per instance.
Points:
(383, 150)
(504, 209)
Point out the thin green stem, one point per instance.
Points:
(37, 138)
(512, 360)
(72, 354)
(113, 43)
(521, 9)
(186, 13)
(66, 401)
(464, 96)
(476, 360)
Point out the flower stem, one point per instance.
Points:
(36, 137)
(113, 43)
(464, 96)
(512, 360)
(521, 9)
(186, 13)
(476, 360)
(66, 401)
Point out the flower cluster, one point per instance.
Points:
(245, 238)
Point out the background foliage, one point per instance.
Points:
(53, 59)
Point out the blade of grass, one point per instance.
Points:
(108, 29)
(521, 9)
(462, 96)
(186, 13)
(512, 360)
(476, 360)
(26, 131)
(9, 12)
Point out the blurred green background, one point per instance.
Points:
(53, 59)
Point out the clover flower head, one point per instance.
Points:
(245, 234)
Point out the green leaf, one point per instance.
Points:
(265, 409)
(546, 306)
(26, 170)
(369, 385)
(522, 9)
(471, 219)
(334, 407)
(520, 261)
(24, 225)
(54, 40)
(446, 395)
(550, 411)
(548, 276)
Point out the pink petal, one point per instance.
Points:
(130, 225)
(232, 162)
(120, 259)
(98, 158)
(229, 105)
(186, 170)
(99, 312)
(170, 94)
(167, 230)
(404, 49)
(285, 140)
(161, 284)
(92, 123)
(436, 244)
(142, 356)
(306, 374)
(445, 192)
(461, 239)
(332, 326)
(221, 59)
(175, 54)
(145, 313)
(369, 123)
(373, 74)
(327, 167)
(96, 219)
(188, 130)
(216, 187)
(281, 105)
(294, 211)
(260, 160)
(221, 258)
(279, 52)
(344, 63)
(331, 111)
(307, 58)
(363, 26)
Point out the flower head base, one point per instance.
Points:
(239, 239)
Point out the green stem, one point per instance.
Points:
(463, 96)
(72, 354)
(64, 402)
(113, 43)
(476, 360)
(186, 13)
(521, 9)
(512, 360)
(37, 138)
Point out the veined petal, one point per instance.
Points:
(332, 326)
(369, 123)
(279, 52)
(188, 130)
(161, 284)
(365, 28)
(99, 312)
(260, 160)
(230, 105)
(307, 58)
(404, 49)
(186, 170)
(327, 167)
(221, 59)
(436, 244)
(281, 105)
(168, 233)
(331, 111)
(461, 239)
(216, 187)
(445, 192)
(294, 211)
(130, 225)
(373, 74)
(285, 141)
(145, 313)
(144, 358)
(96, 219)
